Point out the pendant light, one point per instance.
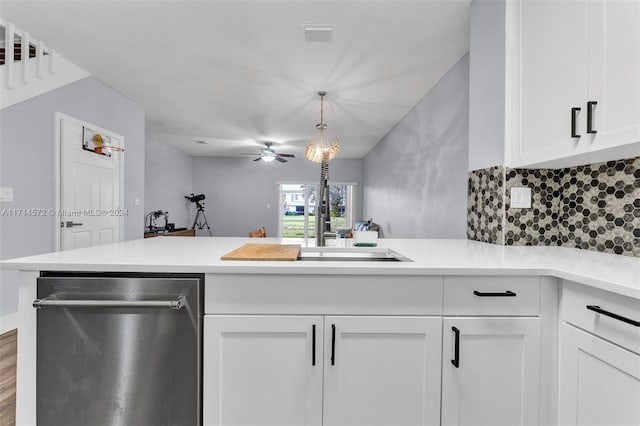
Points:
(323, 150)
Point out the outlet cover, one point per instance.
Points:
(521, 198)
(6, 194)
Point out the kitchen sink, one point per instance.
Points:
(356, 254)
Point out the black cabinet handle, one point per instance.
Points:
(574, 119)
(456, 348)
(507, 293)
(313, 345)
(333, 344)
(590, 106)
(599, 310)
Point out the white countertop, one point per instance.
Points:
(620, 274)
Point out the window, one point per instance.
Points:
(297, 217)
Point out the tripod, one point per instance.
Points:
(200, 219)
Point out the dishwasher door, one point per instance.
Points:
(115, 350)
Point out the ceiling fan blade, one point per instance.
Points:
(282, 160)
(258, 159)
(286, 155)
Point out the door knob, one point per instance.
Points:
(71, 224)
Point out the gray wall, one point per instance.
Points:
(27, 162)
(487, 84)
(168, 177)
(242, 195)
(415, 179)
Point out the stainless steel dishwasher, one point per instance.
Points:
(116, 349)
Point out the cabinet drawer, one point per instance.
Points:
(491, 296)
(576, 298)
(322, 294)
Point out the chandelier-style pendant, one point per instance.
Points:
(323, 151)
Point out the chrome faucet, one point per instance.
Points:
(323, 218)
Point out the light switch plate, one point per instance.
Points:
(6, 194)
(521, 198)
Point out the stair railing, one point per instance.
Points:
(45, 58)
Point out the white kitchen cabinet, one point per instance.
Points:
(599, 381)
(491, 351)
(259, 370)
(490, 371)
(614, 71)
(599, 358)
(382, 371)
(553, 78)
(577, 54)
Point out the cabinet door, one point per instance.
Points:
(553, 79)
(614, 71)
(382, 371)
(599, 381)
(496, 381)
(259, 370)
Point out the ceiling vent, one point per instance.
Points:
(318, 33)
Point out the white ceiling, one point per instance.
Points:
(235, 73)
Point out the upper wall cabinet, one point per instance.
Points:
(614, 71)
(575, 74)
(553, 78)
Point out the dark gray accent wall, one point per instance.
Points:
(242, 195)
(415, 179)
(27, 159)
(168, 177)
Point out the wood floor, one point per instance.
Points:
(8, 358)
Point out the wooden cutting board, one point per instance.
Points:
(264, 252)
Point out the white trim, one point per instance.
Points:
(58, 172)
(39, 59)
(27, 339)
(26, 63)
(350, 207)
(52, 61)
(9, 34)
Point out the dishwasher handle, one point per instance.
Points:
(57, 303)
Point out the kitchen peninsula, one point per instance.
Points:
(414, 342)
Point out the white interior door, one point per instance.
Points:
(90, 189)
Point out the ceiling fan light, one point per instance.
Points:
(268, 158)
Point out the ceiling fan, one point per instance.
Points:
(268, 154)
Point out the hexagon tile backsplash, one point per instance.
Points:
(592, 207)
(485, 205)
